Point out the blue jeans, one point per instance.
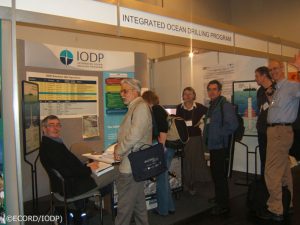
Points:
(163, 190)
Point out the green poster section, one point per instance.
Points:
(2, 192)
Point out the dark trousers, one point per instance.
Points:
(218, 171)
(262, 144)
(295, 149)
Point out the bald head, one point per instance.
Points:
(276, 68)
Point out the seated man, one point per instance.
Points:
(55, 155)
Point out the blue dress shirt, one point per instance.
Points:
(285, 102)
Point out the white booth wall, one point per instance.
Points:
(171, 76)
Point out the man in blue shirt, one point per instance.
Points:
(282, 113)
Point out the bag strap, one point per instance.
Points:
(222, 113)
(222, 102)
(142, 147)
(131, 124)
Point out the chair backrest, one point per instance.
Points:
(80, 148)
(54, 178)
(58, 175)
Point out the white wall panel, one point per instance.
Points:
(167, 81)
(274, 48)
(80, 9)
(243, 41)
(289, 51)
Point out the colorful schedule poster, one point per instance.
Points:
(67, 96)
(114, 108)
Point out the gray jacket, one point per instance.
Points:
(135, 130)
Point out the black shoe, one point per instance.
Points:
(192, 192)
(172, 212)
(212, 200)
(267, 215)
(291, 211)
(157, 213)
(218, 210)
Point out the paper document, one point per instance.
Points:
(102, 168)
(105, 157)
(110, 149)
(91, 156)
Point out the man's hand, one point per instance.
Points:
(296, 61)
(116, 155)
(93, 165)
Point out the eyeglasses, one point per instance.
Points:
(54, 125)
(212, 89)
(273, 69)
(125, 91)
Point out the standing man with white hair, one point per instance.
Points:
(282, 113)
(135, 131)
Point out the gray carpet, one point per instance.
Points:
(187, 206)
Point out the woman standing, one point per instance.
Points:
(195, 169)
(165, 204)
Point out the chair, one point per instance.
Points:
(63, 199)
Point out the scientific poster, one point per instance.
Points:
(90, 126)
(31, 116)
(224, 74)
(114, 108)
(67, 96)
(244, 96)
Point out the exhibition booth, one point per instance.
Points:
(72, 62)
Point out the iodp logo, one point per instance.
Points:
(66, 57)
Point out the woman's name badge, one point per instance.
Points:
(265, 106)
(189, 123)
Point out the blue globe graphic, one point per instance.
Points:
(66, 57)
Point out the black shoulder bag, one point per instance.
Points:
(147, 162)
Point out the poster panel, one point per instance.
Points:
(67, 96)
(31, 116)
(244, 96)
(221, 72)
(114, 108)
(90, 126)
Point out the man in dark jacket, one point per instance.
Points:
(218, 127)
(54, 154)
(267, 87)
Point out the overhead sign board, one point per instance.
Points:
(165, 25)
(70, 58)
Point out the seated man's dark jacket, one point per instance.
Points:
(77, 176)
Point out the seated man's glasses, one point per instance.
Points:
(58, 125)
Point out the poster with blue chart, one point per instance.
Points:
(244, 96)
